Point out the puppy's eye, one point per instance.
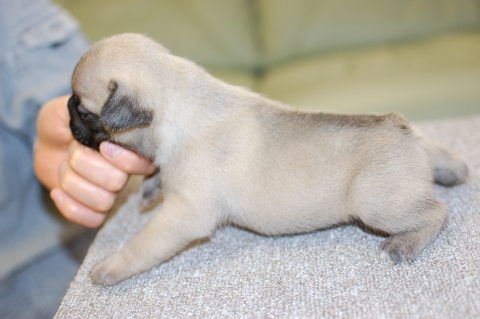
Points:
(84, 113)
(82, 109)
(86, 116)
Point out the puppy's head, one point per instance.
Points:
(120, 112)
(110, 98)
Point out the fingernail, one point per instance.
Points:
(56, 196)
(110, 150)
(73, 144)
(62, 167)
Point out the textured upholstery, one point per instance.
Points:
(334, 273)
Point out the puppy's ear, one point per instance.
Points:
(122, 110)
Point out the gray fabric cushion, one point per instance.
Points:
(329, 273)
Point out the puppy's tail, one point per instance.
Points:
(449, 168)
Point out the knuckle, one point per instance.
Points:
(105, 201)
(116, 181)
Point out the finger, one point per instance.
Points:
(76, 212)
(45, 163)
(86, 193)
(93, 167)
(126, 160)
(53, 122)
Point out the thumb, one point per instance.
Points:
(126, 160)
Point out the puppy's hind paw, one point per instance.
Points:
(399, 248)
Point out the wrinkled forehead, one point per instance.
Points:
(128, 59)
(89, 84)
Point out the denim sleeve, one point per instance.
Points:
(40, 44)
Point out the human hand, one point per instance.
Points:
(84, 183)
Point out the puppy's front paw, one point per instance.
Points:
(111, 270)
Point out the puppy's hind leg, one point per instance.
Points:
(406, 244)
(170, 229)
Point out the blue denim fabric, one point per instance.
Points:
(40, 44)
